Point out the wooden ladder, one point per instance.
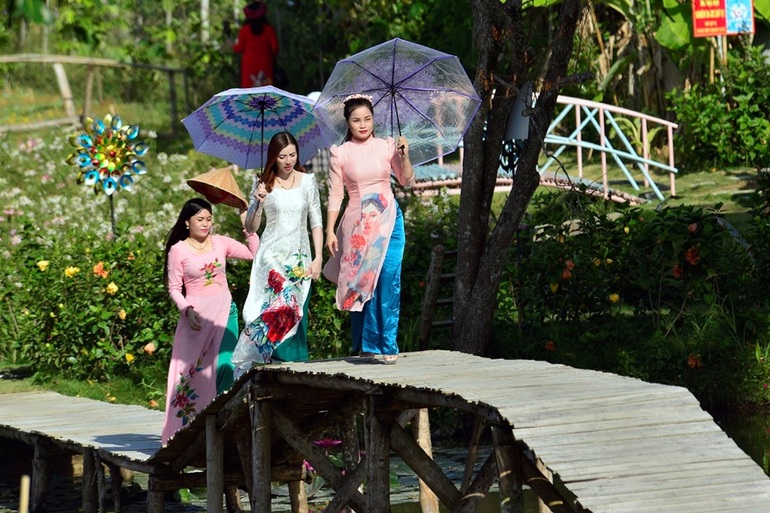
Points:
(439, 289)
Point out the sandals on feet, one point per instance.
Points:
(365, 355)
(389, 359)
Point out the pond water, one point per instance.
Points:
(751, 432)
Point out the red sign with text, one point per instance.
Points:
(709, 18)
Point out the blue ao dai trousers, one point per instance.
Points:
(375, 328)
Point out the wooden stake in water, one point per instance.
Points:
(24, 495)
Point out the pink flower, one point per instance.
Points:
(327, 442)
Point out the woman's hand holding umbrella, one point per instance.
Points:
(406, 164)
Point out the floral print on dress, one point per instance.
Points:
(366, 249)
(281, 310)
(185, 396)
(210, 271)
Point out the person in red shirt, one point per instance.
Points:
(258, 47)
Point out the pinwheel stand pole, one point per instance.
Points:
(112, 216)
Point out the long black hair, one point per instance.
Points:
(180, 231)
(351, 105)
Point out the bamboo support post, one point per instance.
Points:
(89, 488)
(24, 494)
(260, 451)
(298, 497)
(214, 466)
(541, 506)
(156, 498)
(350, 447)
(41, 477)
(428, 498)
(378, 459)
(479, 488)
(509, 470)
(426, 469)
(232, 498)
(101, 483)
(473, 451)
(116, 479)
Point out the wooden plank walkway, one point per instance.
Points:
(123, 434)
(620, 445)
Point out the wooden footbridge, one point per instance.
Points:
(582, 440)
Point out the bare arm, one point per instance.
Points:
(407, 171)
(318, 248)
(253, 218)
(331, 236)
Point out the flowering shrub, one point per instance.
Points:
(79, 301)
(668, 295)
(87, 308)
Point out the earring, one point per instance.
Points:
(187, 225)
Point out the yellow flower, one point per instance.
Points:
(608, 261)
(53, 315)
(554, 287)
(298, 271)
(614, 298)
(61, 306)
(112, 399)
(43, 265)
(129, 357)
(71, 271)
(122, 315)
(597, 262)
(626, 229)
(112, 289)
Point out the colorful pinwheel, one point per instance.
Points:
(106, 154)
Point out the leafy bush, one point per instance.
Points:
(85, 307)
(725, 123)
(669, 296)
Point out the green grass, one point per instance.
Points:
(117, 390)
(705, 189)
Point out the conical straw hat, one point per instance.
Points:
(219, 186)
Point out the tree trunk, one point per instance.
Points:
(499, 30)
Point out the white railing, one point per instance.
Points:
(598, 115)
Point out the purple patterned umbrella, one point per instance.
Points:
(236, 125)
(418, 92)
